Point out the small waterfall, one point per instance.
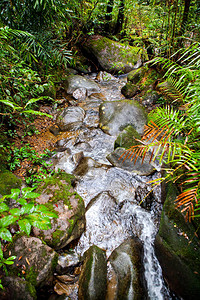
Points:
(144, 228)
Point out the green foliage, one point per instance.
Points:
(25, 213)
(39, 168)
(172, 134)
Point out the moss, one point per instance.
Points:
(31, 289)
(56, 237)
(178, 236)
(127, 138)
(31, 276)
(9, 181)
(62, 181)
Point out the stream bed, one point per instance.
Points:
(111, 194)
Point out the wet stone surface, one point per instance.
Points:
(112, 194)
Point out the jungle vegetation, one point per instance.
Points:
(40, 37)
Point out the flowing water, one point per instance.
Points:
(111, 194)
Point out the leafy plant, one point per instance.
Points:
(172, 134)
(39, 168)
(25, 213)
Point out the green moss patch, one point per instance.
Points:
(9, 181)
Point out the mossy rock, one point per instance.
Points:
(17, 288)
(178, 249)
(59, 196)
(126, 261)
(130, 90)
(114, 56)
(93, 278)
(35, 261)
(9, 181)
(116, 115)
(127, 138)
(135, 76)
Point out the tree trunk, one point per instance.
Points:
(120, 18)
(185, 16)
(109, 16)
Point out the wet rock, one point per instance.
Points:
(91, 118)
(75, 82)
(69, 162)
(70, 119)
(177, 249)
(80, 94)
(58, 194)
(127, 138)
(18, 289)
(114, 56)
(144, 198)
(104, 76)
(34, 260)
(92, 282)
(66, 262)
(137, 75)
(126, 260)
(130, 90)
(141, 168)
(116, 115)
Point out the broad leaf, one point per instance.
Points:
(5, 234)
(3, 207)
(14, 194)
(15, 211)
(25, 226)
(6, 221)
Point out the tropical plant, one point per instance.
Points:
(25, 214)
(173, 132)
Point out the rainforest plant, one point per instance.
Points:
(25, 213)
(172, 134)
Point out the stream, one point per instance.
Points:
(111, 195)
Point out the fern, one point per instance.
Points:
(172, 134)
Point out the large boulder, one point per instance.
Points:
(59, 196)
(114, 56)
(116, 115)
(126, 261)
(177, 249)
(74, 82)
(34, 260)
(93, 278)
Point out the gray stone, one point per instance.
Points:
(116, 115)
(93, 278)
(75, 82)
(80, 94)
(126, 261)
(70, 119)
(36, 260)
(141, 168)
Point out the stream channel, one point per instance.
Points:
(111, 195)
